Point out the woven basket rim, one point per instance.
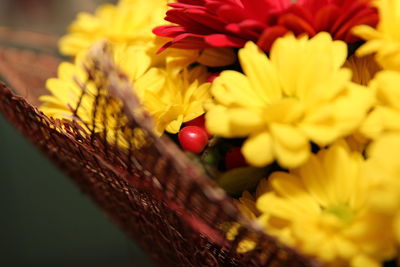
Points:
(190, 172)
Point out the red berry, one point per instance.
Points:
(235, 159)
(193, 139)
(199, 122)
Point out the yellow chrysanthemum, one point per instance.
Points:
(170, 97)
(385, 116)
(383, 168)
(322, 209)
(66, 93)
(385, 40)
(247, 206)
(300, 94)
(129, 22)
(93, 115)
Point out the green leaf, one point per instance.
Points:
(235, 181)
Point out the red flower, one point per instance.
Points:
(199, 24)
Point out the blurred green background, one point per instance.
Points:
(45, 220)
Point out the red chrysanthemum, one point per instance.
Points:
(200, 24)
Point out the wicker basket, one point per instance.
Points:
(155, 194)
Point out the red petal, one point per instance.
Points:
(184, 19)
(169, 31)
(270, 35)
(247, 29)
(345, 32)
(313, 6)
(230, 14)
(325, 18)
(349, 11)
(296, 24)
(193, 2)
(205, 20)
(185, 41)
(301, 12)
(222, 40)
(261, 9)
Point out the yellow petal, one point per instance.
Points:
(257, 149)
(245, 121)
(233, 88)
(313, 175)
(261, 73)
(217, 121)
(290, 145)
(285, 110)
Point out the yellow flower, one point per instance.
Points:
(322, 209)
(93, 115)
(383, 165)
(385, 40)
(363, 68)
(383, 168)
(172, 99)
(129, 22)
(300, 94)
(247, 206)
(169, 96)
(385, 116)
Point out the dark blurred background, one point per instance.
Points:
(44, 219)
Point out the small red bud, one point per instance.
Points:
(199, 122)
(235, 159)
(193, 139)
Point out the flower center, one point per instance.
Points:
(342, 211)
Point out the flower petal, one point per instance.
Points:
(257, 149)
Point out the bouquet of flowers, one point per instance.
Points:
(290, 107)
